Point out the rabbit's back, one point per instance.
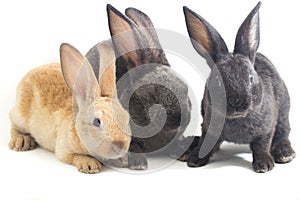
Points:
(42, 101)
(270, 76)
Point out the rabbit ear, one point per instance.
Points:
(204, 37)
(247, 38)
(148, 31)
(107, 71)
(77, 72)
(125, 36)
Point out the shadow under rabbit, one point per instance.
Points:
(231, 155)
(228, 155)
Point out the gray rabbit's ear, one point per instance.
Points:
(126, 38)
(204, 37)
(148, 31)
(247, 38)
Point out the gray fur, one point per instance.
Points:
(258, 102)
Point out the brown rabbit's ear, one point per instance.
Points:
(107, 71)
(204, 37)
(77, 72)
(148, 31)
(247, 38)
(125, 36)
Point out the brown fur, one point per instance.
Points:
(199, 33)
(46, 109)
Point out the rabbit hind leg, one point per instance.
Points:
(281, 148)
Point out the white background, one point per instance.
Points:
(31, 32)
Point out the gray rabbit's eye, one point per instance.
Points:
(96, 122)
(251, 80)
(218, 81)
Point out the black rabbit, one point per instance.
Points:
(257, 100)
(150, 81)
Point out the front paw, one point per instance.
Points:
(184, 148)
(87, 165)
(283, 152)
(263, 164)
(195, 161)
(180, 155)
(137, 161)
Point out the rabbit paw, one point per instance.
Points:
(88, 165)
(283, 152)
(21, 142)
(195, 161)
(180, 155)
(263, 164)
(137, 162)
(184, 148)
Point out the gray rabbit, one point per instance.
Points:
(150, 82)
(257, 100)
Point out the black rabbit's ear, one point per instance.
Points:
(247, 38)
(125, 36)
(204, 37)
(148, 31)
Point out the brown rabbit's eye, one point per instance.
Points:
(97, 122)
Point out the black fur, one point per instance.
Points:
(257, 99)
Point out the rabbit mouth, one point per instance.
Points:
(175, 130)
(236, 115)
(116, 153)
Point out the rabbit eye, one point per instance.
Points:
(97, 122)
(251, 80)
(218, 81)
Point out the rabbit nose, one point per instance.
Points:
(235, 102)
(118, 145)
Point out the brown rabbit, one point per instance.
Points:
(65, 110)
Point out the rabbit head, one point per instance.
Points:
(102, 123)
(236, 70)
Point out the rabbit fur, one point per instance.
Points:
(257, 100)
(63, 108)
